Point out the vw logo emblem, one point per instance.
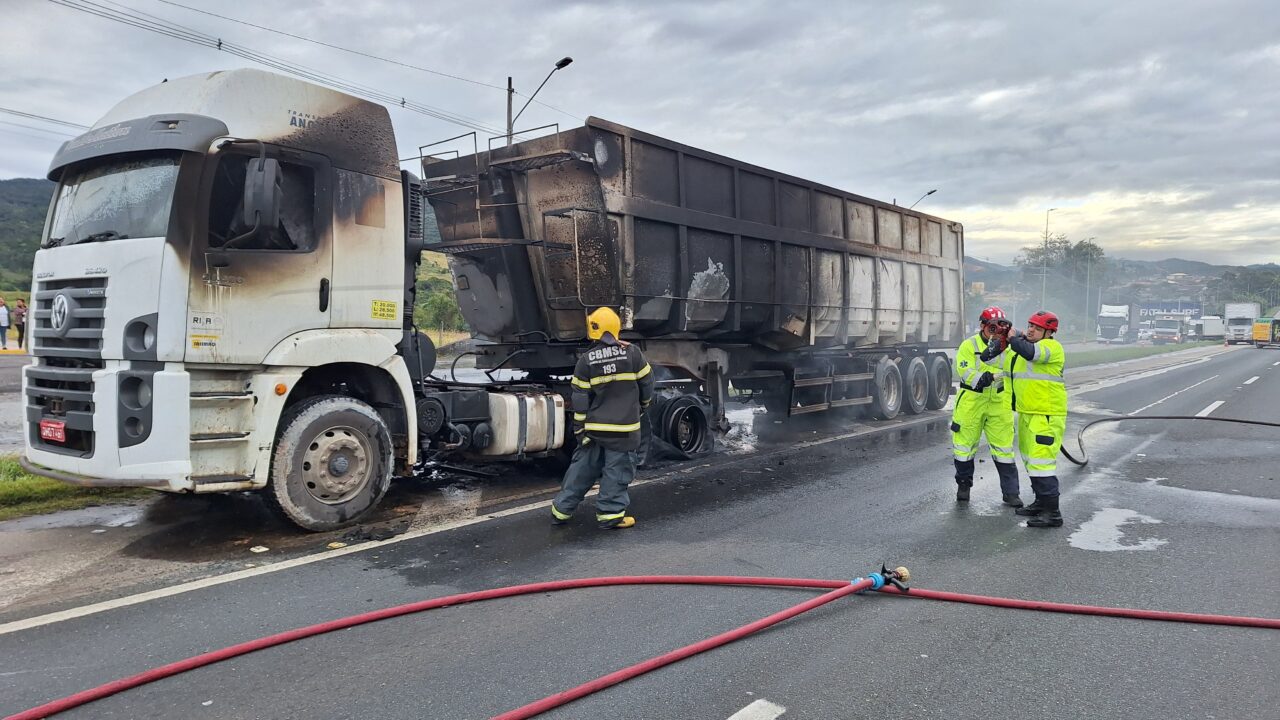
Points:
(60, 314)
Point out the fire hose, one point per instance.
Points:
(888, 581)
(1084, 455)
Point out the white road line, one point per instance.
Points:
(1275, 363)
(1252, 380)
(78, 612)
(1212, 406)
(1166, 397)
(759, 710)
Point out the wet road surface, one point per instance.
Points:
(1167, 516)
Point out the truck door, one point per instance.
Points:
(250, 291)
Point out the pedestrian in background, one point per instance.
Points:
(984, 406)
(20, 322)
(1034, 365)
(4, 325)
(612, 384)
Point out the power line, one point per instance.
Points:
(328, 45)
(33, 116)
(361, 53)
(151, 23)
(39, 129)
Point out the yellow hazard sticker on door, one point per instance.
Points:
(383, 310)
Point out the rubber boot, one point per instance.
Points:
(1034, 509)
(1049, 517)
(964, 479)
(621, 523)
(1009, 484)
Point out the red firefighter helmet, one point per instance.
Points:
(991, 314)
(1045, 319)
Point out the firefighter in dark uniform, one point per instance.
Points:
(612, 384)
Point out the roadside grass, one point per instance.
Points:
(23, 494)
(1116, 354)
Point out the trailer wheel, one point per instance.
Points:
(917, 386)
(939, 382)
(886, 396)
(331, 464)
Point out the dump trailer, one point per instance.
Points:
(223, 297)
(798, 295)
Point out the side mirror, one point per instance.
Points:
(262, 194)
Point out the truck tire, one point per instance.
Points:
(939, 382)
(331, 464)
(886, 395)
(916, 385)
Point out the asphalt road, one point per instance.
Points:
(1174, 516)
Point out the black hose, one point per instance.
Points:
(1085, 455)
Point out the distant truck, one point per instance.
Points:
(1266, 332)
(1212, 327)
(1170, 329)
(1118, 324)
(1240, 317)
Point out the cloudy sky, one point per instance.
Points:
(1151, 126)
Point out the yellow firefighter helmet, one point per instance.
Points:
(603, 320)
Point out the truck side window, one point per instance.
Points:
(296, 230)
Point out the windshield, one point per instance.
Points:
(1168, 324)
(1240, 321)
(122, 197)
(1112, 321)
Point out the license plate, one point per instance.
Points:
(53, 431)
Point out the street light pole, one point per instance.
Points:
(923, 197)
(1088, 268)
(1044, 259)
(560, 65)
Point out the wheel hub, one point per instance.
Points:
(336, 465)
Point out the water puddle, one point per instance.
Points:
(1104, 532)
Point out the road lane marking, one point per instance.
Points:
(1166, 397)
(759, 710)
(1212, 406)
(1252, 380)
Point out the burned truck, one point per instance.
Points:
(223, 297)
(796, 295)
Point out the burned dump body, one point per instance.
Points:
(720, 268)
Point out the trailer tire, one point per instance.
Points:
(331, 464)
(886, 396)
(939, 382)
(916, 386)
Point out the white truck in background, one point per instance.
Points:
(1212, 327)
(1240, 317)
(1117, 324)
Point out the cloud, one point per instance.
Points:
(1157, 124)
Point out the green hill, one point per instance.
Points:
(23, 203)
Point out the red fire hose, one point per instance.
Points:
(840, 588)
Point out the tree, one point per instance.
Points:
(1072, 275)
(441, 311)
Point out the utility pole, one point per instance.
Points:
(1044, 259)
(511, 91)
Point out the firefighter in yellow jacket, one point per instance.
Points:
(983, 406)
(1034, 365)
(612, 385)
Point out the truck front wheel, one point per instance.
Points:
(331, 464)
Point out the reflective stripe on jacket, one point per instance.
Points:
(1038, 385)
(969, 367)
(611, 383)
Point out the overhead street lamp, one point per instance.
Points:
(923, 197)
(1044, 259)
(511, 91)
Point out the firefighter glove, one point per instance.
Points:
(984, 380)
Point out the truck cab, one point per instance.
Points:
(1170, 329)
(215, 272)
